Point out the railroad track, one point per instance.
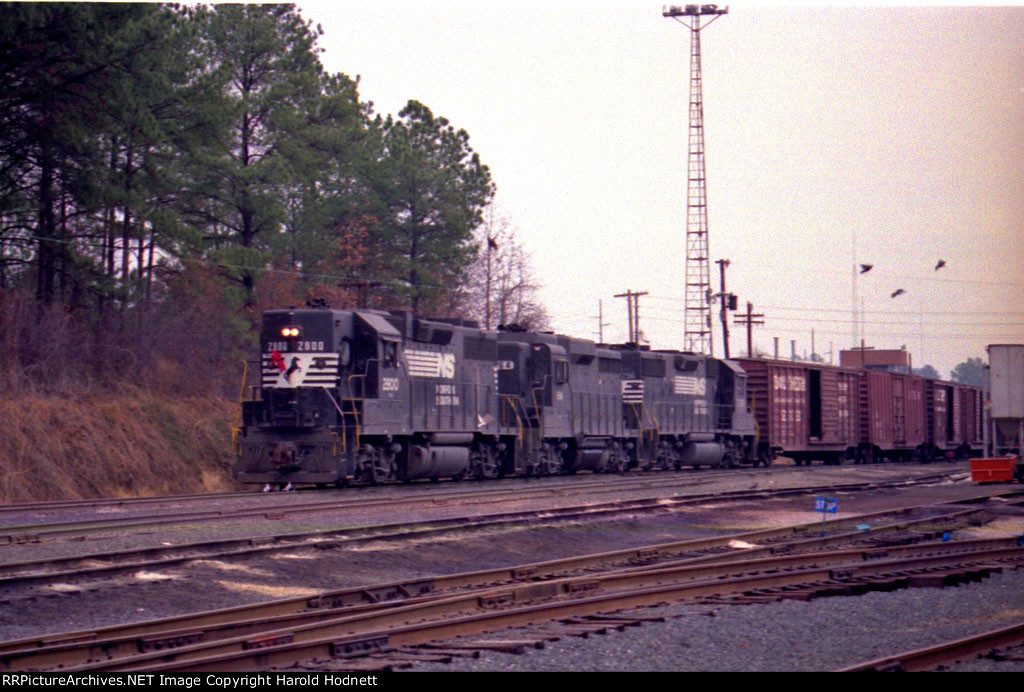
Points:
(415, 490)
(104, 565)
(984, 644)
(407, 488)
(363, 627)
(37, 532)
(287, 504)
(40, 532)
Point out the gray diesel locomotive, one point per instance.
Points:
(371, 396)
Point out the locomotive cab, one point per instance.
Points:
(376, 349)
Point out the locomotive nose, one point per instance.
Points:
(283, 456)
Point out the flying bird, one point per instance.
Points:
(897, 292)
(865, 268)
(940, 265)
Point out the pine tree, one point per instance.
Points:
(431, 189)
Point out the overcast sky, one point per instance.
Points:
(898, 130)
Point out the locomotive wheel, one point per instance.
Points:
(376, 465)
(733, 456)
(617, 460)
(482, 462)
(550, 461)
(649, 457)
(664, 460)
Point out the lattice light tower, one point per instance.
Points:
(698, 272)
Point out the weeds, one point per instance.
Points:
(116, 445)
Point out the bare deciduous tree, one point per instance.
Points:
(500, 286)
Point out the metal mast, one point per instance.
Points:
(698, 272)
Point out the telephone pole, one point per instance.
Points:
(633, 306)
(698, 276)
(749, 321)
(728, 303)
(601, 324)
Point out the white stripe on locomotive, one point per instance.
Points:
(317, 369)
(430, 364)
(633, 390)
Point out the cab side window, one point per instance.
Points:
(345, 353)
(390, 356)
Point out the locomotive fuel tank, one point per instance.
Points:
(431, 461)
(702, 454)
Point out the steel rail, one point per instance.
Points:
(30, 572)
(56, 649)
(947, 652)
(18, 533)
(516, 606)
(36, 532)
(120, 501)
(78, 648)
(25, 533)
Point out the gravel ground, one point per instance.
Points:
(256, 526)
(819, 635)
(785, 636)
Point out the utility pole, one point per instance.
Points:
(749, 320)
(728, 303)
(633, 306)
(601, 324)
(698, 278)
(363, 287)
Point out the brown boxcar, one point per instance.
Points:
(893, 420)
(943, 417)
(805, 411)
(954, 420)
(971, 407)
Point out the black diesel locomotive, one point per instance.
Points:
(374, 396)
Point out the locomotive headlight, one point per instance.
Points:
(290, 331)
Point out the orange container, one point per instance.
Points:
(993, 470)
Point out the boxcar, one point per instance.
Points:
(893, 416)
(954, 420)
(806, 411)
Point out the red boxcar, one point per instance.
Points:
(971, 415)
(810, 411)
(805, 411)
(954, 420)
(893, 418)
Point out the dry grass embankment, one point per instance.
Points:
(125, 445)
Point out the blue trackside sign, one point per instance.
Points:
(825, 505)
(829, 505)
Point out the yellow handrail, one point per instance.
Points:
(355, 411)
(511, 401)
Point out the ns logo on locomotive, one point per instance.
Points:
(372, 396)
